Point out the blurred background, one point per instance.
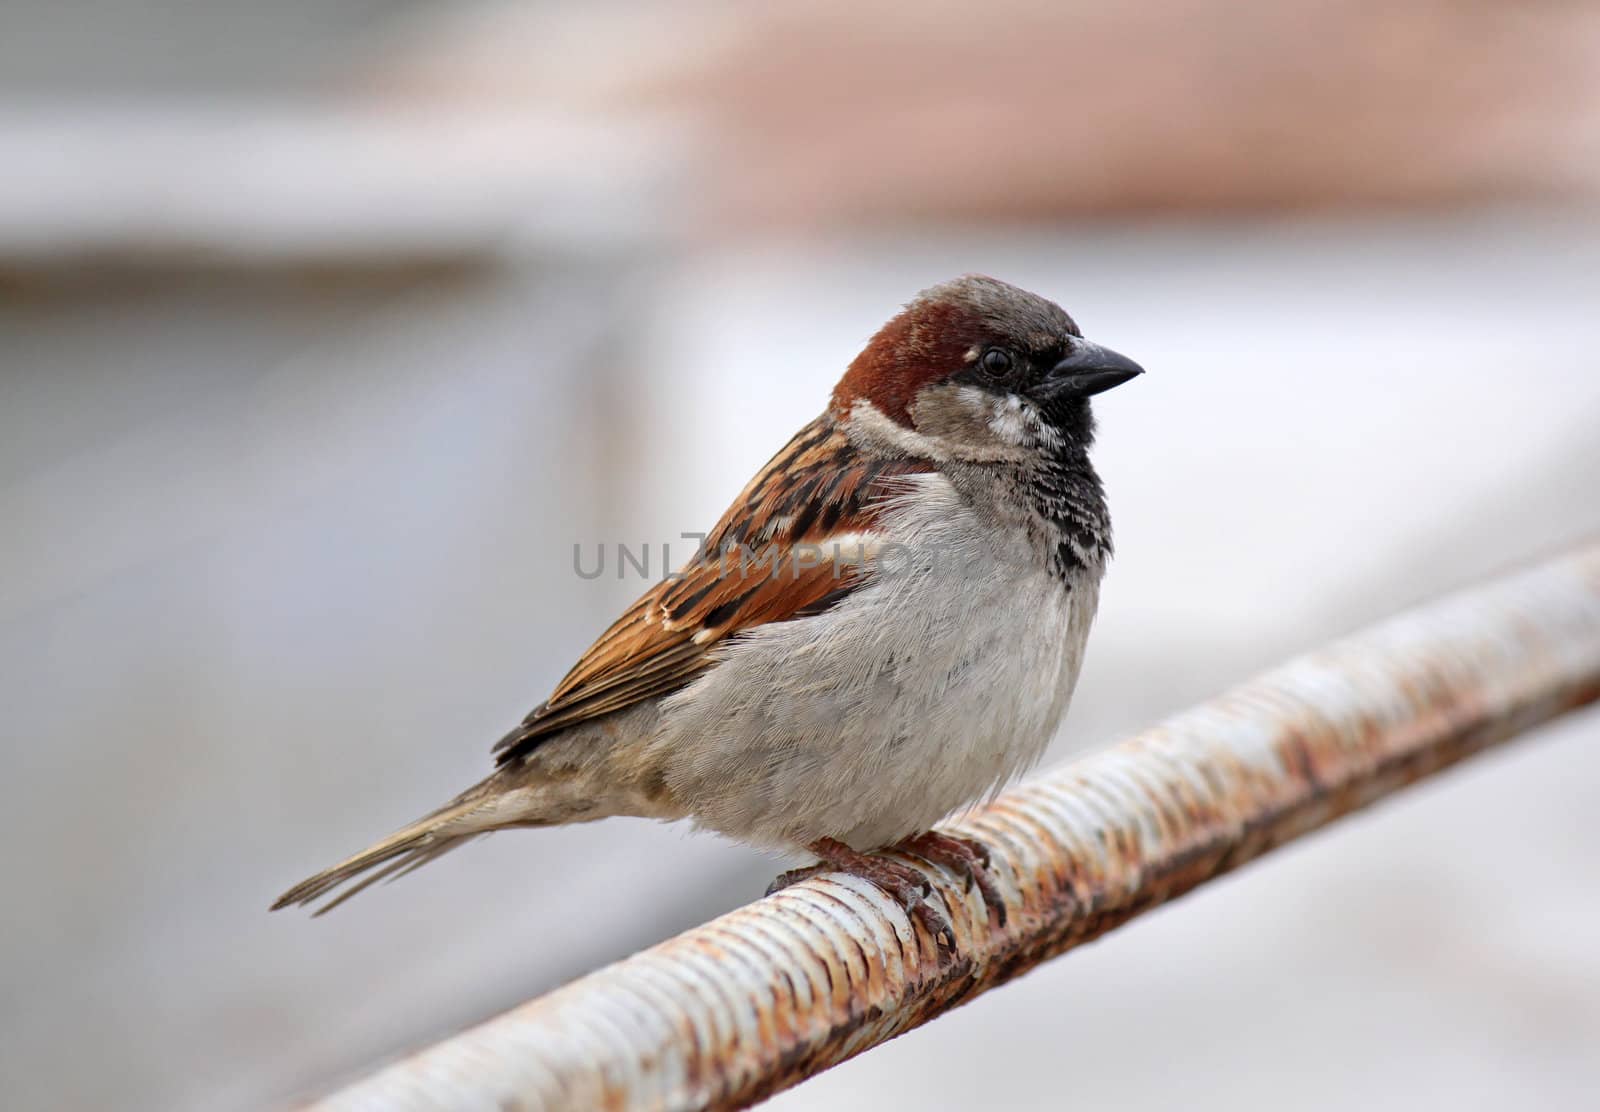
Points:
(328, 328)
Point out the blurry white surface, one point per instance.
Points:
(288, 563)
(303, 183)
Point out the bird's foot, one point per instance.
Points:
(967, 856)
(901, 882)
(795, 876)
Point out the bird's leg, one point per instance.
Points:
(967, 856)
(902, 883)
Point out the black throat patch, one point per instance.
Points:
(1068, 496)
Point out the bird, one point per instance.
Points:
(884, 628)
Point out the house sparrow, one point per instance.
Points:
(886, 625)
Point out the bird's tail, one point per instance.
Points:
(454, 824)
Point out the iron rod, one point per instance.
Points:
(782, 989)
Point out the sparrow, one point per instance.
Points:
(886, 626)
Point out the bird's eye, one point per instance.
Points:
(996, 362)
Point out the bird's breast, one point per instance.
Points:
(940, 678)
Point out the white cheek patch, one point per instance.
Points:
(972, 401)
(1018, 423)
(1013, 422)
(1007, 418)
(975, 425)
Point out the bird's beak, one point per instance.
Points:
(1090, 369)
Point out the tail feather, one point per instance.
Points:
(406, 849)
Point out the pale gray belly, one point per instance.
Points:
(917, 696)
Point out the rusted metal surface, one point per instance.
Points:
(777, 991)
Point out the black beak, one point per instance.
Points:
(1089, 369)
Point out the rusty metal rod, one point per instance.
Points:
(764, 997)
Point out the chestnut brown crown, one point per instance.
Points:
(984, 332)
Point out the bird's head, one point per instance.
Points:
(976, 369)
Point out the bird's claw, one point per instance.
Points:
(795, 876)
(901, 882)
(966, 856)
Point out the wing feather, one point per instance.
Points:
(791, 545)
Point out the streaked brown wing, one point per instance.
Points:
(789, 547)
